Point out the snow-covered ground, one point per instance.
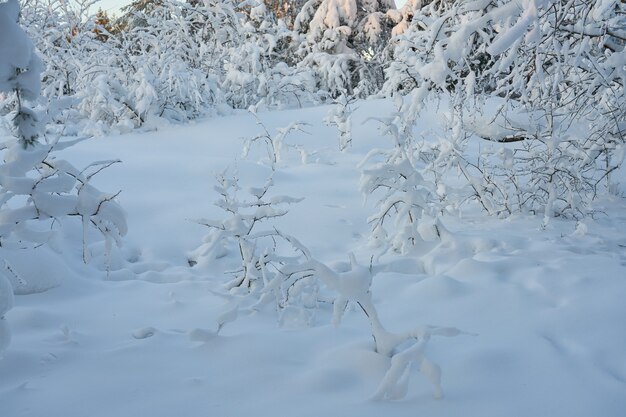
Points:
(543, 308)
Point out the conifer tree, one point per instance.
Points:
(342, 40)
(103, 25)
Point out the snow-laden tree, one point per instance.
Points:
(342, 40)
(20, 70)
(39, 190)
(19, 80)
(260, 69)
(541, 80)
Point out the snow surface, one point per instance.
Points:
(546, 305)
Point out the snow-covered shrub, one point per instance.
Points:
(268, 259)
(38, 190)
(20, 70)
(410, 45)
(408, 202)
(66, 36)
(277, 269)
(404, 349)
(276, 146)
(341, 117)
(542, 80)
(19, 77)
(303, 284)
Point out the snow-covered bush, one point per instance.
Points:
(300, 286)
(269, 261)
(411, 47)
(63, 34)
(542, 80)
(409, 200)
(168, 60)
(39, 190)
(276, 146)
(341, 117)
(19, 78)
(20, 70)
(36, 187)
(276, 269)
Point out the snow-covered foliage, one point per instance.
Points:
(411, 47)
(274, 267)
(277, 146)
(244, 226)
(259, 69)
(39, 190)
(409, 201)
(170, 75)
(270, 265)
(20, 69)
(277, 269)
(354, 286)
(555, 73)
(163, 61)
(155, 68)
(342, 41)
(534, 295)
(341, 117)
(19, 80)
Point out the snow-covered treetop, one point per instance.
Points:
(337, 25)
